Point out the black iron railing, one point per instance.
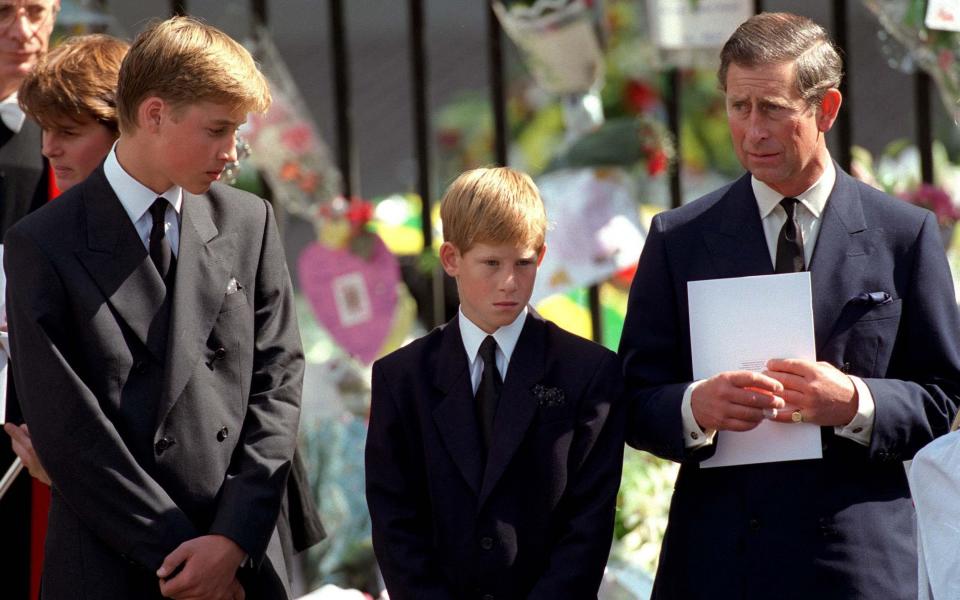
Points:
(344, 123)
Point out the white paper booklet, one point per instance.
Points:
(739, 324)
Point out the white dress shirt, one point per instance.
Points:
(506, 338)
(10, 113)
(137, 198)
(808, 212)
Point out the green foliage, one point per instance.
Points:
(642, 507)
(616, 143)
(539, 137)
(705, 136)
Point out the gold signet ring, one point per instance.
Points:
(796, 416)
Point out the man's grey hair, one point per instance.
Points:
(772, 38)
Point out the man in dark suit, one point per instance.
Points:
(887, 378)
(158, 357)
(23, 172)
(25, 27)
(495, 444)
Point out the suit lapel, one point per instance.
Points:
(455, 416)
(517, 405)
(118, 262)
(734, 234)
(839, 257)
(203, 272)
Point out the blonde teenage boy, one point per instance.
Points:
(495, 444)
(155, 307)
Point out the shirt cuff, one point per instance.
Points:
(693, 436)
(860, 429)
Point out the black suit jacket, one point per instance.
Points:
(155, 425)
(843, 526)
(23, 174)
(535, 521)
(23, 188)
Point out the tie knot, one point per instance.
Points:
(158, 209)
(488, 350)
(789, 205)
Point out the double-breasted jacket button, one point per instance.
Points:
(486, 543)
(140, 367)
(220, 353)
(754, 524)
(163, 444)
(222, 434)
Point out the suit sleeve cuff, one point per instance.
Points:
(860, 429)
(693, 436)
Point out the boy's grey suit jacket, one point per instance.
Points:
(159, 418)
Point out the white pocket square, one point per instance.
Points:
(233, 287)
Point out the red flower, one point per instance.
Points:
(290, 171)
(639, 96)
(624, 278)
(448, 138)
(359, 212)
(936, 200)
(299, 139)
(309, 181)
(945, 59)
(657, 162)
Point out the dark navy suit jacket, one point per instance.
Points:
(843, 526)
(534, 521)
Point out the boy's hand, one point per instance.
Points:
(23, 446)
(209, 569)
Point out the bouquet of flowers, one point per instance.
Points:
(935, 51)
(897, 172)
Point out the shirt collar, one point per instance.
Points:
(814, 198)
(135, 197)
(11, 113)
(507, 336)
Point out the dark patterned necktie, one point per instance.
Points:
(790, 242)
(160, 252)
(488, 392)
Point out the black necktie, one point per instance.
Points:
(488, 392)
(160, 251)
(790, 243)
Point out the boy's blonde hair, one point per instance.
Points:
(76, 81)
(184, 61)
(493, 206)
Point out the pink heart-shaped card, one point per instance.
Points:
(354, 298)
